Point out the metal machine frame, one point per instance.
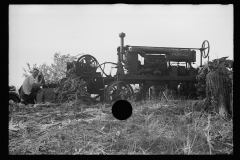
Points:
(112, 88)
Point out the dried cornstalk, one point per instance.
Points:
(73, 89)
(217, 91)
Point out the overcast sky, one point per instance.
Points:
(37, 32)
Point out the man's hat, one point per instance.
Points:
(35, 69)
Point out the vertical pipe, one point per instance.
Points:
(201, 59)
(120, 54)
(121, 35)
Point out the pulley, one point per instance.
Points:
(86, 65)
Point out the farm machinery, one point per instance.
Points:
(162, 67)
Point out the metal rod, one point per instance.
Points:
(201, 59)
(168, 47)
(165, 95)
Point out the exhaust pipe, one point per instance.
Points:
(120, 55)
(121, 35)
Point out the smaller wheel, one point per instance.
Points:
(14, 98)
(204, 47)
(118, 90)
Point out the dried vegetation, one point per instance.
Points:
(173, 127)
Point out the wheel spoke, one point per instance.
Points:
(112, 92)
(114, 88)
(97, 96)
(91, 61)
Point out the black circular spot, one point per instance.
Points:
(122, 109)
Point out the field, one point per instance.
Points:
(155, 127)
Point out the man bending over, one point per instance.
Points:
(30, 87)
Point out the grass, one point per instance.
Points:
(156, 127)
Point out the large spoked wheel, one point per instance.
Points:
(118, 90)
(205, 49)
(87, 64)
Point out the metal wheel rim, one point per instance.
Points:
(114, 93)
